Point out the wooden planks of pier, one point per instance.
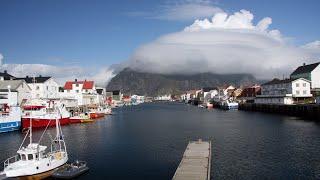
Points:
(196, 162)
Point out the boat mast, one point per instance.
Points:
(34, 80)
(57, 127)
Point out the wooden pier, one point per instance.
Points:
(196, 162)
(301, 110)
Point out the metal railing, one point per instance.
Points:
(11, 160)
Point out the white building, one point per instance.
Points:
(310, 72)
(101, 93)
(42, 87)
(83, 91)
(166, 97)
(20, 87)
(286, 91)
(8, 97)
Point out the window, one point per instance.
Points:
(297, 84)
(304, 84)
(47, 87)
(37, 88)
(77, 91)
(298, 92)
(30, 156)
(77, 85)
(23, 157)
(304, 92)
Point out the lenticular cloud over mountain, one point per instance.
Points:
(223, 44)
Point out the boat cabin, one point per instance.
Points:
(32, 152)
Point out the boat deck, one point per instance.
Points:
(196, 162)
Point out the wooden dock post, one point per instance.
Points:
(196, 162)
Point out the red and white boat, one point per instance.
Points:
(96, 112)
(43, 113)
(79, 118)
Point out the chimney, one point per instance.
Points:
(5, 71)
(40, 75)
(304, 64)
(27, 76)
(75, 80)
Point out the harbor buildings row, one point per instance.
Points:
(302, 87)
(75, 93)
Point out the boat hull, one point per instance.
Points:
(10, 126)
(43, 175)
(96, 115)
(74, 120)
(42, 123)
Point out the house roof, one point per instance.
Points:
(6, 75)
(14, 84)
(207, 89)
(85, 84)
(39, 79)
(305, 68)
(278, 81)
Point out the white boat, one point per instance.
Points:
(228, 105)
(10, 118)
(32, 161)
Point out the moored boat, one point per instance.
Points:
(229, 105)
(32, 161)
(43, 114)
(96, 112)
(10, 118)
(78, 118)
(70, 171)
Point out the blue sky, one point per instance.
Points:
(107, 32)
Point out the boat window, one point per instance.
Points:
(23, 157)
(30, 156)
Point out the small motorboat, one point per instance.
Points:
(70, 171)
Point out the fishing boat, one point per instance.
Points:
(96, 112)
(43, 113)
(10, 118)
(32, 161)
(71, 171)
(79, 118)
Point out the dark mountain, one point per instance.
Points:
(133, 82)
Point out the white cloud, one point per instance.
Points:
(182, 10)
(315, 45)
(224, 44)
(61, 74)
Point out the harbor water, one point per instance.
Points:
(147, 141)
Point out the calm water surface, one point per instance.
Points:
(147, 142)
